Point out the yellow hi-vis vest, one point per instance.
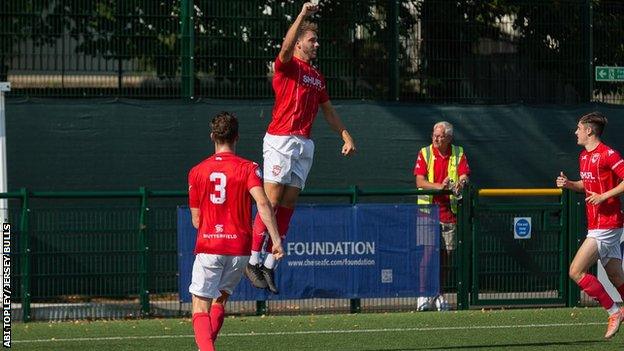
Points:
(456, 154)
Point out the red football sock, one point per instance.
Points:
(217, 312)
(203, 331)
(258, 230)
(282, 216)
(620, 289)
(595, 290)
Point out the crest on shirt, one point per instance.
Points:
(277, 169)
(610, 152)
(219, 228)
(595, 158)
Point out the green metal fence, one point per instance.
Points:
(506, 270)
(89, 48)
(114, 255)
(435, 51)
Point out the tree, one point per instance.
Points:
(545, 59)
(146, 33)
(22, 20)
(460, 50)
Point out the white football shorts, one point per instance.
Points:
(287, 159)
(213, 273)
(608, 241)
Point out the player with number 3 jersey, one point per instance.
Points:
(220, 192)
(225, 227)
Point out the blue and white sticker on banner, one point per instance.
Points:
(522, 227)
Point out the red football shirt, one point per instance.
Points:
(299, 89)
(219, 186)
(440, 171)
(601, 170)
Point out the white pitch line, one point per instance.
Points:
(309, 332)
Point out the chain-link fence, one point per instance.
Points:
(411, 50)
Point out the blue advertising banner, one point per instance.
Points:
(344, 251)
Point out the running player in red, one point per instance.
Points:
(220, 202)
(287, 149)
(602, 171)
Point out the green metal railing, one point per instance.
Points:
(123, 248)
(410, 50)
(108, 250)
(511, 271)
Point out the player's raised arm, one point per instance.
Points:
(334, 121)
(288, 46)
(268, 217)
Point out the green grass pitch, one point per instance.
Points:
(530, 329)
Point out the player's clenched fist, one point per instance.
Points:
(348, 148)
(308, 9)
(562, 180)
(278, 251)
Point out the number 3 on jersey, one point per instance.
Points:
(218, 195)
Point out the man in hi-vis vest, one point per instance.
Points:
(442, 165)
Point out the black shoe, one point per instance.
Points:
(255, 276)
(269, 278)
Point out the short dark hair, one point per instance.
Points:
(224, 127)
(307, 26)
(596, 121)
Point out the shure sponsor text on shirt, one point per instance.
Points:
(312, 81)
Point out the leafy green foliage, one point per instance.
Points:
(463, 50)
